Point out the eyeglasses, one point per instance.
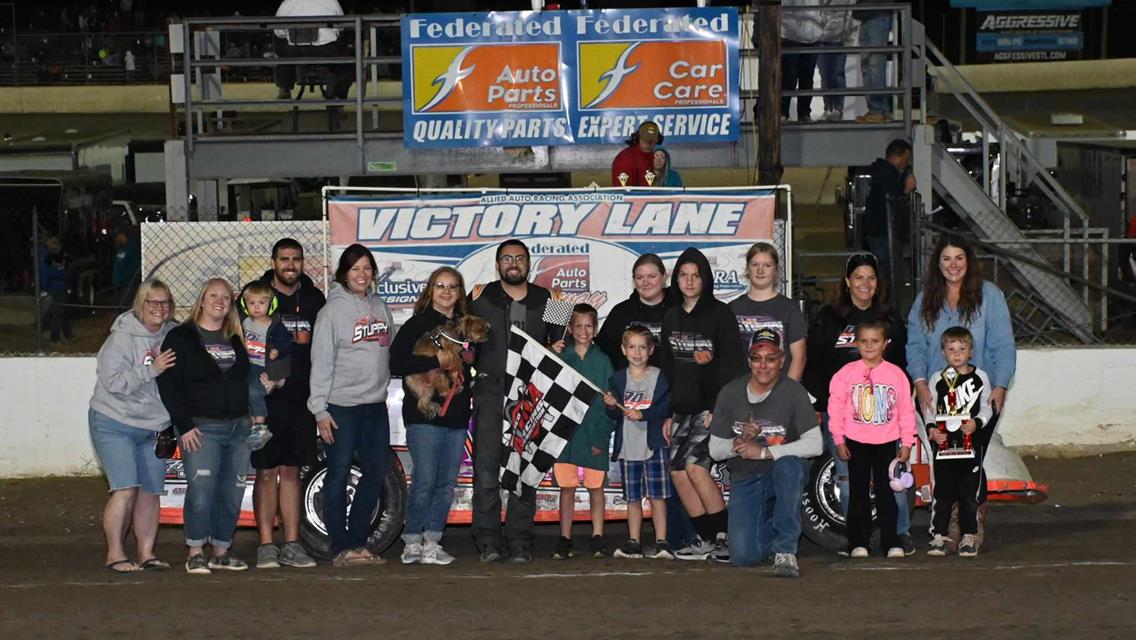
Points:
(512, 259)
(157, 303)
(766, 359)
(445, 286)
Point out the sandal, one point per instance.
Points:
(356, 558)
(154, 564)
(113, 567)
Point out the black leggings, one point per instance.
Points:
(869, 465)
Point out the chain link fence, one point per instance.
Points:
(186, 254)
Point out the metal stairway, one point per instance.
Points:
(983, 205)
(989, 222)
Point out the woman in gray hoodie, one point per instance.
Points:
(350, 372)
(125, 417)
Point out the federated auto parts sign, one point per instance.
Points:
(569, 77)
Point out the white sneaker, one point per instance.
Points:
(433, 553)
(896, 552)
(412, 553)
(938, 546)
(697, 550)
(861, 552)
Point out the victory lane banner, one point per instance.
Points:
(564, 77)
(583, 243)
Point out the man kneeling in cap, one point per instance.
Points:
(764, 427)
(634, 166)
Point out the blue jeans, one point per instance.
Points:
(765, 512)
(436, 453)
(362, 436)
(258, 408)
(216, 475)
(832, 77)
(873, 33)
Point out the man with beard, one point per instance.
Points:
(512, 300)
(293, 441)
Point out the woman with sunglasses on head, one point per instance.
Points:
(861, 298)
(436, 443)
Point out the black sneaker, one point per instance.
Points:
(629, 549)
(520, 555)
(907, 543)
(599, 547)
(563, 549)
(662, 551)
(490, 553)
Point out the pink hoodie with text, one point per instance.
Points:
(871, 406)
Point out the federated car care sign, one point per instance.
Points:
(582, 243)
(566, 77)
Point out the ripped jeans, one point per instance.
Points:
(216, 475)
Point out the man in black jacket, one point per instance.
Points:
(512, 300)
(889, 178)
(293, 442)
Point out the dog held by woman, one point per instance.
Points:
(458, 337)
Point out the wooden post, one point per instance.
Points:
(767, 30)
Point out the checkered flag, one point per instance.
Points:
(546, 402)
(557, 312)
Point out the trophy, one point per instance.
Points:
(623, 179)
(951, 421)
(650, 176)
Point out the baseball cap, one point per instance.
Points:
(765, 336)
(649, 132)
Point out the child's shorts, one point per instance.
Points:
(690, 441)
(568, 476)
(646, 478)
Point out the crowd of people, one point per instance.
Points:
(689, 381)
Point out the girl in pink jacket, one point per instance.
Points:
(869, 409)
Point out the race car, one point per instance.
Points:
(822, 522)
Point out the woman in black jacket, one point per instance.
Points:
(206, 394)
(436, 442)
(832, 344)
(648, 303)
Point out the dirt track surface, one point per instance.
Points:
(1064, 569)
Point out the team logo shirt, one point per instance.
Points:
(685, 343)
(371, 329)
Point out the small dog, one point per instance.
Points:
(456, 338)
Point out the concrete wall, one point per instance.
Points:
(1063, 402)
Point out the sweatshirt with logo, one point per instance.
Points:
(350, 351)
(633, 311)
(871, 405)
(126, 387)
(709, 326)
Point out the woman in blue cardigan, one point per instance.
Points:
(955, 294)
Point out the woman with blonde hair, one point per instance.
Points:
(206, 395)
(125, 417)
(436, 442)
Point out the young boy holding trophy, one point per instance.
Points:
(961, 394)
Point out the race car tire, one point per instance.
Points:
(385, 529)
(822, 523)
